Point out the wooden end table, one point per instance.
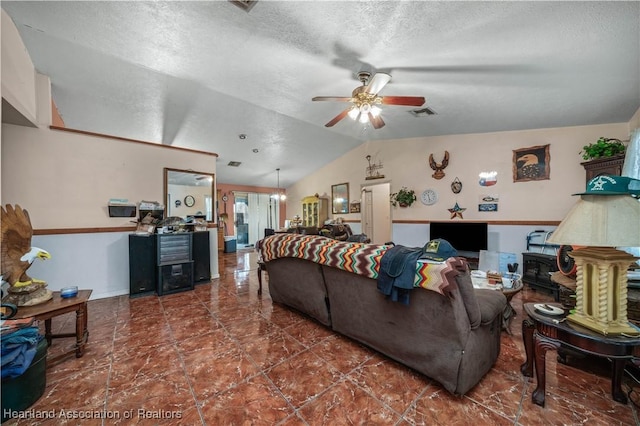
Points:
(58, 306)
(541, 332)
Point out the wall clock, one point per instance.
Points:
(189, 201)
(429, 197)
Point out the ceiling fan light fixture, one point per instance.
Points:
(365, 101)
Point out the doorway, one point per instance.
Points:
(252, 213)
(376, 212)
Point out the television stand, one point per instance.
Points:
(473, 258)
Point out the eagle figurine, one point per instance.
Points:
(439, 174)
(17, 252)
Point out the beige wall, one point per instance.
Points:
(18, 73)
(634, 123)
(405, 163)
(65, 179)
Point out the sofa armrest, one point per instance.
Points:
(491, 303)
(468, 295)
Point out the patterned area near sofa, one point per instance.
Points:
(358, 258)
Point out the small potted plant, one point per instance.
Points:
(602, 148)
(403, 198)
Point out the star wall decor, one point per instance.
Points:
(456, 211)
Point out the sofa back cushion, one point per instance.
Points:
(467, 293)
(299, 284)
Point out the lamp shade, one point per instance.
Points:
(601, 221)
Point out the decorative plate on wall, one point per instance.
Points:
(189, 201)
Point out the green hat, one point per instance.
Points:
(612, 185)
(438, 250)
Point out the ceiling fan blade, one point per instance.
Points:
(337, 118)
(403, 100)
(376, 121)
(377, 82)
(468, 68)
(331, 98)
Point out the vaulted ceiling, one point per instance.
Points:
(199, 74)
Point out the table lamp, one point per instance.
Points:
(606, 216)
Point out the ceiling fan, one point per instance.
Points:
(365, 100)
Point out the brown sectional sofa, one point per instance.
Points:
(453, 338)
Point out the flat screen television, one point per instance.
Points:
(463, 236)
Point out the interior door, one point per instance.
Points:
(376, 213)
(367, 212)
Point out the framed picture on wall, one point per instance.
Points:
(531, 163)
(355, 207)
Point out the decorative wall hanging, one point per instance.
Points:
(439, 174)
(354, 207)
(456, 186)
(403, 198)
(531, 163)
(456, 211)
(488, 178)
(488, 203)
(373, 170)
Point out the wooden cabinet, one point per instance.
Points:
(604, 166)
(315, 211)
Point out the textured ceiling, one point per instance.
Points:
(198, 74)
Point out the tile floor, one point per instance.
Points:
(222, 355)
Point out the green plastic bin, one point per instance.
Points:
(19, 393)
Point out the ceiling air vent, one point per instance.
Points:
(422, 112)
(245, 5)
(234, 163)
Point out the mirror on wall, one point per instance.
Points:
(188, 193)
(340, 198)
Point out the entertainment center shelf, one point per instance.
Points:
(168, 263)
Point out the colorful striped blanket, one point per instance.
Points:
(358, 258)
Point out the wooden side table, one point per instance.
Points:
(509, 313)
(58, 306)
(542, 332)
